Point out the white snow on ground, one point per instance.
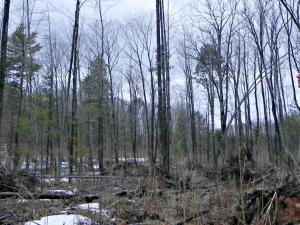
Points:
(64, 180)
(21, 201)
(52, 180)
(131, 159)
(32, 166)
(96, 208)
(92, 207)
(49, 180)
(61, 220)
(61, 192)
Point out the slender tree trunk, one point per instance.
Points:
(49, 147)
(101, 94)
(208, 135)
(257, 131)
(90, 142)
(249, 141)
(113, 117)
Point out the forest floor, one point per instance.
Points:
(196, 197)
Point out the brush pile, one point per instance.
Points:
(16, 181)
(274, 206)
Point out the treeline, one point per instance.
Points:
(106, 93)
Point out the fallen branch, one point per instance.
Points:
(139, 192)
(58, 195)
(190, 218)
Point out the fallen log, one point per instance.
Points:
(139, 192)
(51, 195)
(90, 177)
(124, 193)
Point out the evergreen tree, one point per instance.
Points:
(95, 88)
(20, 48)
(21, 69)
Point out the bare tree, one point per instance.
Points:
(187, 68)
(112, 52)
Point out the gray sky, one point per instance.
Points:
(62, 11)
(118, 8)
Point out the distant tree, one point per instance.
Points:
(187, 69)
(95, 89)
(207, 63)
(181, 145)
(112, 51)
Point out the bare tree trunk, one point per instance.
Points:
(257, 131)
(113, 117)
(249, 140)
(211, 101)
(190, 99)
(101, 94)
(133, 117)
(162, 89)
(90, 142)
(236, 81)
(49, 147)
(208, 135)
(73, 65)
(4, 39)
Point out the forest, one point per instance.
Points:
(150, 112)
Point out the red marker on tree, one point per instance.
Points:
(298, 77)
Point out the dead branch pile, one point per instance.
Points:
(7, 216)
(15, 181)
(235, 169)
(130, 169)
(269, 206)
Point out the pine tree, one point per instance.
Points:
(96, 91)
(20, 66)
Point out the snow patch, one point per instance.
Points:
(92, 207)
(52, 180)
(61, 192)
(49, 180)
(45, 200)
(96, 208)
(21, 201)
(131, 159)
(61, 220)
(64, 180)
